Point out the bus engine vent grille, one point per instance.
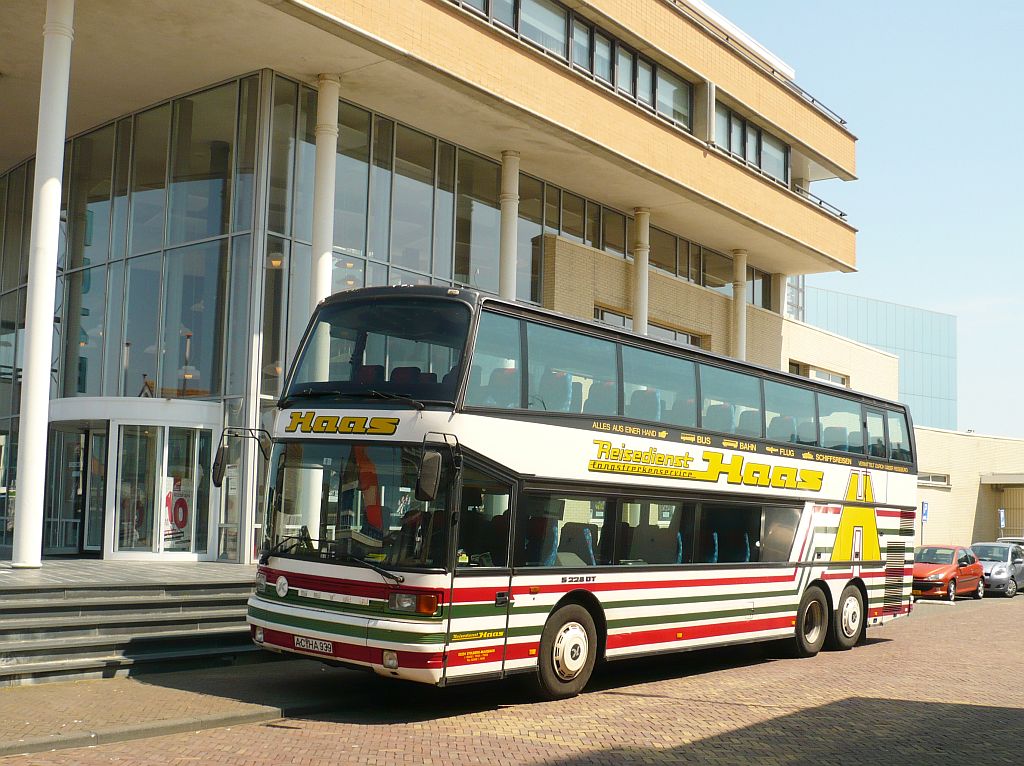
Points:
(907, 523)
(895, 563)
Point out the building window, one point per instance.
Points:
(933, 480)
(550, 25)
(543, 22)
(818, 373)
(616, 319)
(751, 144)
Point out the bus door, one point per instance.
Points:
(481, 595)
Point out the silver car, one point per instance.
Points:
(1004, 566)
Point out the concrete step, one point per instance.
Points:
(70, 627)
(24, 608)
(101, 590)
(134, 645)
(113, 665)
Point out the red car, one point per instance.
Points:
(947, 571)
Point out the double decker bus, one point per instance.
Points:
(464, 488)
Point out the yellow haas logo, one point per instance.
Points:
(734, 469)
(311, 423)
(857, 536)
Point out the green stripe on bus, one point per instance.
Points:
(354, 631)
(634, 622)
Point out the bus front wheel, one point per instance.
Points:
(568, 650)
(811, 623)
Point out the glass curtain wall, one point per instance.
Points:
(154, 260)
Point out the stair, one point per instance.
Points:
(59, 632)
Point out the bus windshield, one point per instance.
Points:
(334, 502)
(387, 348)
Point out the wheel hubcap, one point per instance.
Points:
(1011, 587)
(571, 651)
(850, 619)
(813, 620)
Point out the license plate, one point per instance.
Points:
(314, 645)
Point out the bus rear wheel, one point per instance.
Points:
(568, 651)
(811, 623)
(847, 624)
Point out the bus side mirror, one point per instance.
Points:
(429, 477)
(262, 439)
(218, 465)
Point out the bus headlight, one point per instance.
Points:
(258, 635)
(391, 660)
(261, 582)
(414, 603)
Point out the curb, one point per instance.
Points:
(155, 729)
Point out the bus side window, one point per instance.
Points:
(483, 521)
(899, 444)
(495, 369)
(560, 531)
(655, 532)
(729, 533)
(659, 387)
(730, 402)
(780, 526)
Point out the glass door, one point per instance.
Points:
(65, 506)
(163, 494)
(139, 465)
(96, 489)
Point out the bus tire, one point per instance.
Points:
(568, 651)
(847, 625)
(811, 623)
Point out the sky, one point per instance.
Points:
(933, 91)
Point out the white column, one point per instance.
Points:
(641, 274)
(509, 200)
(323, 187)
(779, 293)
(739, 304)
(58, 33)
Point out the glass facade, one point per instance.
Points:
(924, 341)
(185, 241)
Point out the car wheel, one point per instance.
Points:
(979, 592)
(847, 625)
(951, 591)
(811, 623)
(1011, 588)
(568, 650)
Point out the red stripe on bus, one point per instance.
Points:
(881, 611)
(348, 587)
(687, 633)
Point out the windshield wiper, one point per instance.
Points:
(317, 393)
(291, 541)
(351, 557)
(397, 397)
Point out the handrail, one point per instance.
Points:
(684, 10)
(828, 207)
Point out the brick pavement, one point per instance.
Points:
(942, 686)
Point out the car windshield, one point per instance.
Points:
(332, 502)
(385, 348)
(991, 552)
(934, 556)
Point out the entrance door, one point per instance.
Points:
(163, 494)
(76, 486)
